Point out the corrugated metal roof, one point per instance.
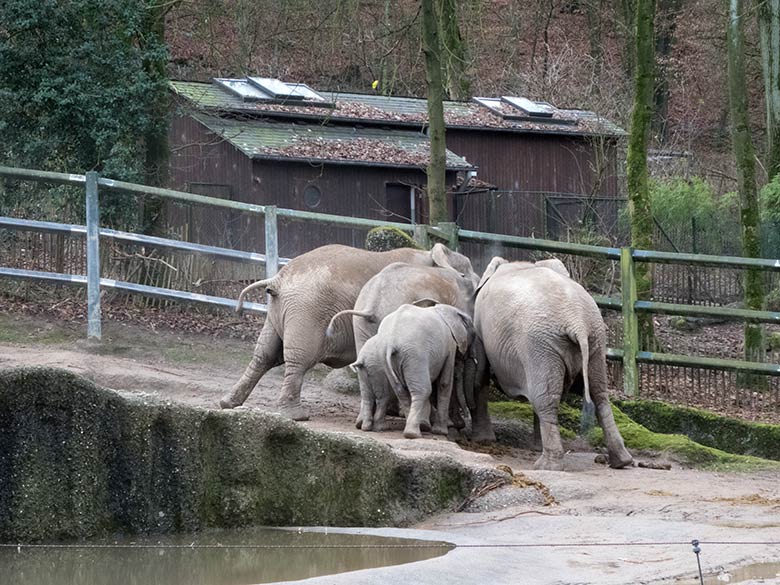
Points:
(402, 111)
(332, 144)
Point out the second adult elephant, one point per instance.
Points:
(396, 285)
(539, 330)
(304, 295)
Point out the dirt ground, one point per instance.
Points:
(591, 502)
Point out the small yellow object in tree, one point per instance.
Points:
(375, 84)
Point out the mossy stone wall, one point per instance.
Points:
(727, 434)
(77, 460)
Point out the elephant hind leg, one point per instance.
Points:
(545, 388)
(619, 456)
(267, 354)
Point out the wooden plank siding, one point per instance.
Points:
(528, 170)
(198, 158)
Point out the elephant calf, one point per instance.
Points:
(540, 329)
(413, 347)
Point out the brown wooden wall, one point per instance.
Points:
(200, 163)
(537, 162)
(538, 178)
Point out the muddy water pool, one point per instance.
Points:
(235, 557)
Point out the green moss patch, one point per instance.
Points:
(568, 417)
(639, 438)
(382, 239)
(77, 460)
(720, 432)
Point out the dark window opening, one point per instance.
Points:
(312, 196)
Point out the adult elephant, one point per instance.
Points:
(304, 296)
(539, 329)
(398, 284)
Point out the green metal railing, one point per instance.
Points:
(628, 304)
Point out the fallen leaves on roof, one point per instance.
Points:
(355, 149)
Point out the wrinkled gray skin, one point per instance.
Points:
(304, 296)
(399, 284)
(539, 329)
(413, 348)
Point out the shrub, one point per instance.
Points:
(382, 239)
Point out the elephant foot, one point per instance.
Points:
(457, 420)
(294, 411)
(549, 462)
(620, 460)
(440, 430)
(412, 434)
(229, 401)
(483, 435)
(380, 425)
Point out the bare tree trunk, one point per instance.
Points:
(593, 11)
(628, 14)
(667, 22)
(769, 27)
(636, 165)
(437, 201)
(457, 82)
(746, 178)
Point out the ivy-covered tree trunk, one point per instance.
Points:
(457, 82)
(746, 176)
(769, 27)
(156, 139)
(437, 196)
(639, 210)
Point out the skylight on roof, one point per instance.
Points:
(529, 107)
(246, 91)
(270, 90)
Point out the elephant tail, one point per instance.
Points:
(588, 416)
(259, 284)
(392, 375)
(370, 317)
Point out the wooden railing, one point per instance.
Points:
(630, 353)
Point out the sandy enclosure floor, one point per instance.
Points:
(593, 503)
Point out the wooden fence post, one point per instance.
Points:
(93, 257)
(271, 241)
(450, 230)
(421, 236)
(630, 323)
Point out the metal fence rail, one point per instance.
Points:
(630, 354)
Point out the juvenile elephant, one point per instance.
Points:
(413, 347)
(304, 296)
(399, 284)
(539, 330)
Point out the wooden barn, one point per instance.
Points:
(514, 166)
(292, 157)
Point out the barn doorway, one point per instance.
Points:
(401, 203)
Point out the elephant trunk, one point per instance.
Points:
(470, 376)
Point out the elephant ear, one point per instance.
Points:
(440, 254)
(490, 271)
(556, 265)
(460, 324)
